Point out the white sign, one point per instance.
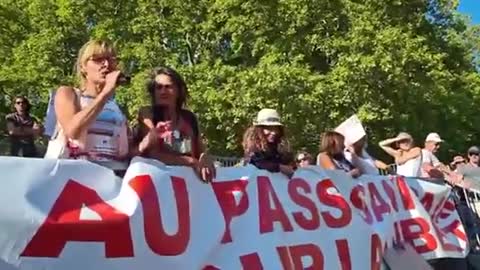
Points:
(352, 130)
(76, 215)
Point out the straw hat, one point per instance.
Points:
(267, 117)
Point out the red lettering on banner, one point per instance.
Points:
(422, 232)
(376, 252)
(447, 210)
(336, 201)
(267, 214)
(391, 194)
(358, 201)
(157, 239)
(344, 254)
(251, 261)
(284, 255)
(379, 206)
(210, 267)
(427, 201)
(406, 196)
(293, 190)
(310, 250)
(436, 213)
(452, 228)
(63, 224)
(225, 193)
(398, 237)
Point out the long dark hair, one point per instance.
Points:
(180, 86)
(254, 140)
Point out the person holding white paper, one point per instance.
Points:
(356, 140)
(367, 163)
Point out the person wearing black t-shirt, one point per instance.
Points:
(22, 129)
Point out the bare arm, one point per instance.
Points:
(73, 120)
(381, 165)
(326, 162)
(385, 145)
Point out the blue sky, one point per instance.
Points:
(471, 8)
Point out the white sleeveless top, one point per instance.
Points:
(106, 138)
(411, 168)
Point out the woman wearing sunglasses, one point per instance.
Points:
(90, 122)
(166, 130)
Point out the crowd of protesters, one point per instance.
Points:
(90, 125)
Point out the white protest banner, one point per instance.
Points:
(352, 129)
(77, 215)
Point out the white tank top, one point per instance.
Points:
(106, 138)
(410, 168)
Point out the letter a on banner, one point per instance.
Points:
(63, 224)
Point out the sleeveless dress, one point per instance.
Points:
(106, 140)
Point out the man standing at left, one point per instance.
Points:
(22, 129)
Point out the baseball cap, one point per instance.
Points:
(474, 150)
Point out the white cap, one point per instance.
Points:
(433, 137)
(267, 117)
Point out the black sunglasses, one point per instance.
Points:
(473, 154)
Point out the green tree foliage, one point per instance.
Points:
(400, 64)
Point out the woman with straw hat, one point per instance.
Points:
(265, 145)
(407, 157)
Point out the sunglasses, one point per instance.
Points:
(19, 102)
(474, 154)
(162, 86)
(101, 59)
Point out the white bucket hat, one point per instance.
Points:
(433, 137)
(267, 117)
(402, 136)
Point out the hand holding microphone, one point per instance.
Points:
(113, 79)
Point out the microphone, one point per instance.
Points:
(123, 79)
